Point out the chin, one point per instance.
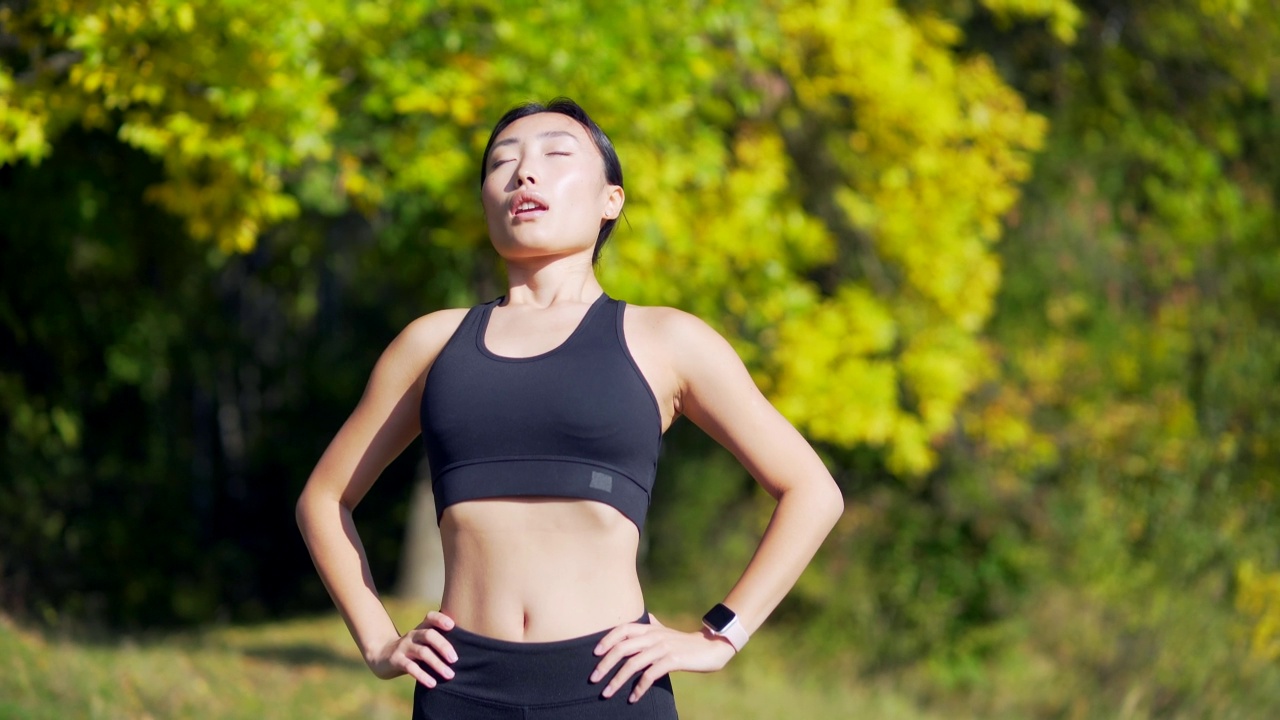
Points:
(528, 246)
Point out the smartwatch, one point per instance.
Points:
(723, 622)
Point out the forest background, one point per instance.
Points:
(1014, 265)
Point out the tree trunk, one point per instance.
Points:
(422, 558)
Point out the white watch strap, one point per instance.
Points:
(735, 634)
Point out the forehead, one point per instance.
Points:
(544, 124)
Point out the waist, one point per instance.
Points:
(526, 673)
(539, 569)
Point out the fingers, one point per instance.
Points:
(650, 675)
(620, 642)
(633, 665)
(649, 652)
(413, 669)
(615, 636)
(424, 649)
(437, 642)
(434, 640)
(426, 645)
(429, 633)
(436, 619)
(643, 652)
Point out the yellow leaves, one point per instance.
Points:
(1235, 11)
(455, 93)
(927, 150)
(422, 99)
(152, 139)
(1258, 598)
(226, 109)
(366, 192)
(1064, 310)
(1119, 393)
(950, 142)
(885, 173)
(1063, 16)
(67, 426)
(940, 366)
(1006, 437)
(22, 125)
(239, 237)
(836, 375)
(910, 454)
(828, 375)
(824, 189)
(184, 16)
(726, 224)
(372, 13)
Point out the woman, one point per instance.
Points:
(542, 413)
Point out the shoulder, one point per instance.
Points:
(416, 347)
(669, 322)
(436, 327)
(686, 339)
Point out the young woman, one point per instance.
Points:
(542, 413)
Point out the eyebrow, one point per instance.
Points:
(547, 134)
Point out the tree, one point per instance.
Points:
(831, 205)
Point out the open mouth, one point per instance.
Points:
(527, 204)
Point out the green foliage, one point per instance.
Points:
(319, 141)
(791, 139)
(1259, 598)
(1137, 343)
(227, 96)
(1063, 17)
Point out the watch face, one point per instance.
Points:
(718, 618)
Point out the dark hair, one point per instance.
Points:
(565, 106)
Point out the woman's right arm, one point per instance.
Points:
(383, 423)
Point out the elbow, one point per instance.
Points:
(317, 509)
(306, 509)
(826, 502)
(820, 501)
(834, 502)
(300, 509)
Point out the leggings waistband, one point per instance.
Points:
(525, 674)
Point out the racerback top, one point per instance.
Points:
(578, 421)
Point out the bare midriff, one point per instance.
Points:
(539, 569)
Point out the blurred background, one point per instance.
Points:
(1013, 265)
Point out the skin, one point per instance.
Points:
(500, 554)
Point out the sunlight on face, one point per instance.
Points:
(545, 193)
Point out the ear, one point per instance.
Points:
(614, 202)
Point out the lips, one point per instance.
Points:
(527, 203)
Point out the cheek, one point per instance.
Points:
(490, 201)
(586, 193)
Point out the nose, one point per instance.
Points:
(526, 172)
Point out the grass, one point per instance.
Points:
(309, 668)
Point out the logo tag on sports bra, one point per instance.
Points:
(601, 481)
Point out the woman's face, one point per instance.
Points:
(545, 194)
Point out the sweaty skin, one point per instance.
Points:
(544, 569)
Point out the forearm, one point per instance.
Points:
(330, 534)
(803, 518)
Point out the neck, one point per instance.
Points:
(542, 282)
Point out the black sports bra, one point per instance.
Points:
(579, 421)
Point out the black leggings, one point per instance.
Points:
(503, 680)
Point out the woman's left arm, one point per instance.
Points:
(713, 388)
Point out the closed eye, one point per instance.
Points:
(496, 163)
